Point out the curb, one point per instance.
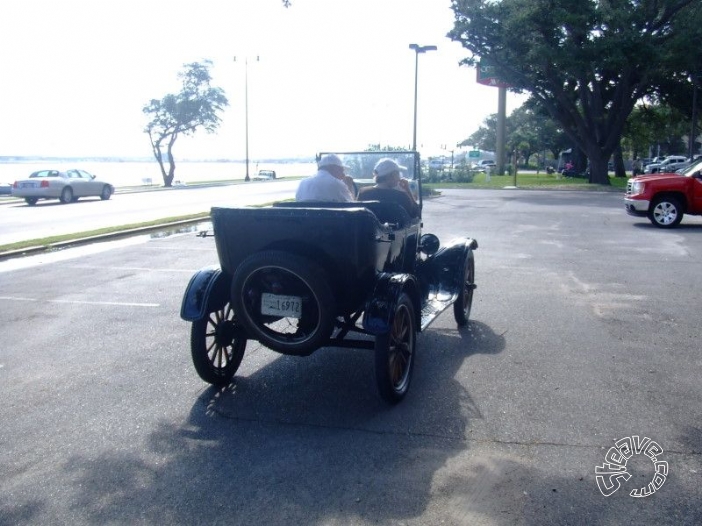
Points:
(38, 249)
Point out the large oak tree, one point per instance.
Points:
(586, 61)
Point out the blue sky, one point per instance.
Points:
(331, 75)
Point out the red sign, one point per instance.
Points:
(487, 76)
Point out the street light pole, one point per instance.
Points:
(417, 50)
(693, 133)
(246, 113)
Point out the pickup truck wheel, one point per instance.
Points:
(666, 212)
(394, 353)
(217, 345)
(284, 301)
(464, 302)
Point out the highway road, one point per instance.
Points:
(19, 222)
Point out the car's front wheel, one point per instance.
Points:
(666, 212)
(394, 353)
(464, 302)
(217, 345)
(106, 193)
(66, 195)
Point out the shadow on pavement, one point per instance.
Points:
(299, 441)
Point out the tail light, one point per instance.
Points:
(44, 184)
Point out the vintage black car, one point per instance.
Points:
(300, 276)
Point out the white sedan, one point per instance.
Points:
(67, 186)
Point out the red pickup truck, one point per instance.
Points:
(665, 197)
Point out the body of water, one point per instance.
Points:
(139, 173)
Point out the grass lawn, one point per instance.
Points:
(533, 180)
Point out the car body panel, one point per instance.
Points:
(207, 291)
(380, 308)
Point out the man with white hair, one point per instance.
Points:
(390, 186)
(330, 183)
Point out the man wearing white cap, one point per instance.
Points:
(330, 183)
(390, 187)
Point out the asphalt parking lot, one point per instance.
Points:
(585, 331)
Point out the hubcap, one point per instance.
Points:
(665, 213)
(225, 333)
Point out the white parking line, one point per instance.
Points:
(140, 269)
(79, 302)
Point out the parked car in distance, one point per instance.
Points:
(668, 165)
(5, 189)
(66, 186)
(436, 164)
(665, 197)
(484, 164)
(265, 175)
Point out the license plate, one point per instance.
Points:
(28, 185)
(275, 305)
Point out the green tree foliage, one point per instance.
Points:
(659, 127)
(485, 137)
(385, 148)
(529, 130)
(586, 61)
(197, 105)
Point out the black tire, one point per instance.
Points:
(394, 353)
(302, 281)
(106, 193)
(665, 212)
(217, 345)
(31, 201)
(464, 301)
(66, 195)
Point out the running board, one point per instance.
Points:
(432, 309)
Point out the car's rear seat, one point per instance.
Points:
(390, 214)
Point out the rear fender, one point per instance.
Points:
(380, 309)
(207, 291)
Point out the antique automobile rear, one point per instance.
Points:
(300, 276)
(349, 244)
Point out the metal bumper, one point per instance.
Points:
(636, 207)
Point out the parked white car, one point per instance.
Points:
(484, 164)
